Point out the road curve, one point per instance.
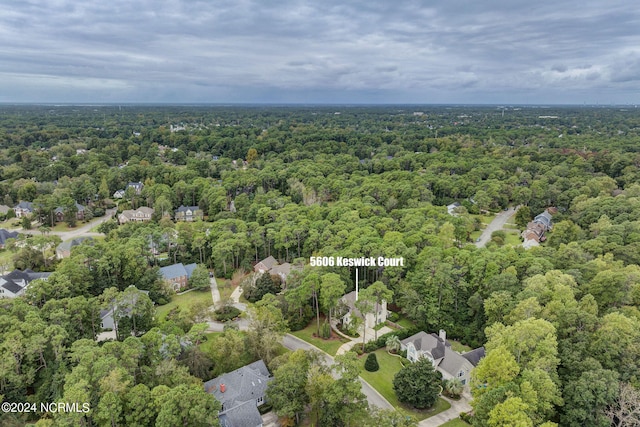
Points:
(497, 224)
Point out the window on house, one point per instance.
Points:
(260, 400)
(461, 374)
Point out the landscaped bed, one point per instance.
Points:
(329, 346)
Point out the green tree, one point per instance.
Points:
(199, 278)
(418, 384)
(331, 289)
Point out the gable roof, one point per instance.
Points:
(79, 207)
(66, 246)
(269, 262)
(24, 206)
(474, 356)
(452, 362)
(432, 343)
(18, 280)
(187, 208)
(173, 271)
(5, 234)
(243, 385)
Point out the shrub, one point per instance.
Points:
(226, 313)
(466, 417)
(371, 364)
(98, 212)
(393, 317)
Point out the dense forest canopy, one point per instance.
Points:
(560, 322)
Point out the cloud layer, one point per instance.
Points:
(459, 51)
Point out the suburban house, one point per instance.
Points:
(141, 214)
(5, 235)
(15, 283)
(108, 322)
(271, 266)
(452, 207)
(241, 392)
(265, 265)
(63, 250)
(188, 213)
(437, 349)
(536, 229)
(23, 209)
(119, 194)
(59, 213)
(349, 300)
(137, 187)
(177, 275)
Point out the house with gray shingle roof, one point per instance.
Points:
(241, 392)
(437, 349)
(63, 250)
(188, 213)
(178, 274)
(23, 209)
(15, 283)
(5, 235)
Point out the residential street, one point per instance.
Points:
(497, 224)
(82, 231)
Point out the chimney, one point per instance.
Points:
(443, 335)
(223, 388)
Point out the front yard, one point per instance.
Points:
(183, 301)
(329, 346)
(382, 381)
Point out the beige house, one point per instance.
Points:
(141, 214)
(438, 351)
(349, 300)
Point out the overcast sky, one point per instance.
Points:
(323, 51)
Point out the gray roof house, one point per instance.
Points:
(15, 283)
(241, 392)
(265, 265)
(5, 235)
(188, 213)
(177, 274)
(63, 250)
(23, 208)
(438, 350)
(137, 187)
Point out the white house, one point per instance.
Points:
(349, 300)
(438, 350)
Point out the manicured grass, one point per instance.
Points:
(382, 381)
(405, 323)
(512, 238)
(458, 346)
(457, 422)
(328, 346)
(225, 291)
(183, 301)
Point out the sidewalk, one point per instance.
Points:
(457, 407)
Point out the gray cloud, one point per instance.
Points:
(330, 51)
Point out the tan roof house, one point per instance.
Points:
(141, 214)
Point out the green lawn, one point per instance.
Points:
(328, 346)
(382, 381)
(512, 238)
(6, 261)
(405, 323)
(183, 301)
(225, 291)
(457, 422)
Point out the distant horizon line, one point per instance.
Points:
(307, 104)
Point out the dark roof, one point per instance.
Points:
(25, 205)
(12, 287)
(187, 208)
(242, 387)
(74, 242)
(474, 356)
(79, 207)
(428, 342)
(5, 234)
(12, 280)
(177, 270)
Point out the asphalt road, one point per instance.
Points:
(497, 224)
(82, 231)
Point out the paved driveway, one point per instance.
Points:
(497, 224)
